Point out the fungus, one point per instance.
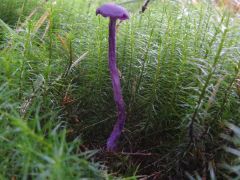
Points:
(114, 12)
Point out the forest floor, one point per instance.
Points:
(180, 69)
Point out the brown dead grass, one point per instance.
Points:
(233, 5)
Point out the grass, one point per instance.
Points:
(14, 11)
(179, 64)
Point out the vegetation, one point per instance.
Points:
(179, 66)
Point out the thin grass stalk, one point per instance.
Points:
(144, 60)
(228, 91)
(212, 71)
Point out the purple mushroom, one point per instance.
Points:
(114, 12)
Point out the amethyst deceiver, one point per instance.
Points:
(114, 12)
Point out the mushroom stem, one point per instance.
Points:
(118, 127)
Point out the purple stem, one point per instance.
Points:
(118, 127)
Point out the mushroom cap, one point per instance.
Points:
(113, 10)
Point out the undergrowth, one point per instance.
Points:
(179, 66)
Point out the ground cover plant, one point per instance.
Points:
(179, 65)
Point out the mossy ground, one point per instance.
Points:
(179, 64)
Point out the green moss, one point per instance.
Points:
(177, 62)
